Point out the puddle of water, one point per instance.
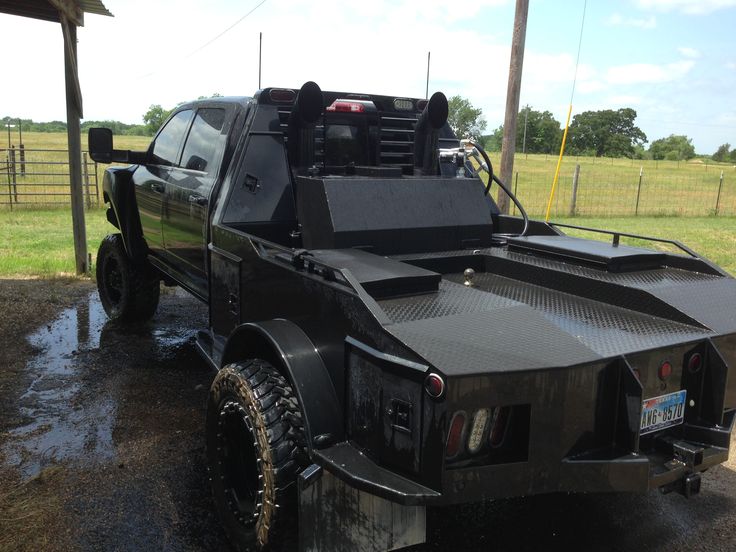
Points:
(61, 428)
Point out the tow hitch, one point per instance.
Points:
(688, 456)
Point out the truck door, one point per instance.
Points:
(150, 178)
(187, 196)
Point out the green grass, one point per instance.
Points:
(712, 237)
(606, 187)
(38, 243)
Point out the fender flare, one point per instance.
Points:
(117, 186)
(285, 345)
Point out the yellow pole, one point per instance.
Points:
(559, 164)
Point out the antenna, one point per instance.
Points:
(260, 48)
(426, 92)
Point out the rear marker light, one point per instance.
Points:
(665, 370)
(478, 430)
(434, 385)
(498, 426)
(342, 106)
(695, 362)
(284, 95)
(455, 435)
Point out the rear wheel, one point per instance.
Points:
(254, 452)
(129, 291)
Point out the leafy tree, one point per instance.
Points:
(493, 142)
(721, 153)
(543, 132)
(673, 148)
(155, 117)
(732, 156)
(607, 132)
(466, 121)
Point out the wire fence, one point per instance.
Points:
(588, 190)
(587, 186)
(41, 177)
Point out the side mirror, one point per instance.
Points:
(99, 141)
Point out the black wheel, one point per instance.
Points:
(128, 291)
(255, 449)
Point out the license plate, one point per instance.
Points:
(661, 412)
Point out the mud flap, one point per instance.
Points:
(335, 517)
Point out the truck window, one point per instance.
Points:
(345, 144)
(169, 140)
(204, 140)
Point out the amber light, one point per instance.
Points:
(455, 435)
(695, 362)
(665, 370)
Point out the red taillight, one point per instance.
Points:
(455, 435)
(434, 385)
(695, 362)
(282, 95)
(665, 370)
(344, 106)
(499, 424)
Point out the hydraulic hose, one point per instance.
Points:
(493, 178)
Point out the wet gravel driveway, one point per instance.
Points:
(101, 448)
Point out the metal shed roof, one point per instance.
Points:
(49, 10)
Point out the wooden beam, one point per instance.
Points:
(69, 9)
(73, 115)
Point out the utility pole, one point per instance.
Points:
(426, 92)
(508, 147)
(260, 48)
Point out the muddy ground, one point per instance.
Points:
(101, 448)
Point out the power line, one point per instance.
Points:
(225, 31)
(203, 46)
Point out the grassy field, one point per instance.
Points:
(38, 243)
(606, 187)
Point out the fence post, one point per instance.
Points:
(10, 189)
(718, 199)
(85, 177)
(22, 160)
(638, 191)
(574, 199)
(516, 186)
(13, 173)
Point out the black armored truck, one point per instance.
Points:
(385, 340)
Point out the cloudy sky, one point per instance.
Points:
(674, 61)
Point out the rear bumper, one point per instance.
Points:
(665, 467)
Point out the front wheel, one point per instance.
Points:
(129, 291)
(254, 452)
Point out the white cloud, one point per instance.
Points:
(624, 100)
(638, 73)
(690, 7)
(642, 23)
(691, 53)
(731, 65)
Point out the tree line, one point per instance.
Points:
(603, 133)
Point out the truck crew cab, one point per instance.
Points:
(384, 339)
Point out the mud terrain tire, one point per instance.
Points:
(255, 443)
(128, 291)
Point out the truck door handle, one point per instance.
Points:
(157, 187)
(197, 199)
